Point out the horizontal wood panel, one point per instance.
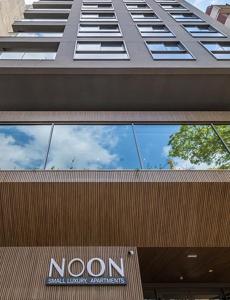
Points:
(24, 270)
(113, 209)
(115, 116)
(167, 265)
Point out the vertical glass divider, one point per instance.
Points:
(48, 149)
(219, 136)
(137, 147)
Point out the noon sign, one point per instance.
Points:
(109, 272)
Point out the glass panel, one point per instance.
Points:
(101, 56)
(218, 56)
(181, 147)
(153, 28)
(93, 46)
(43, 20)
(172, 56)
(165, 46)
(225, 46)
(11, 55)
(39, 55)
(23, 146)
(89, 28)
(40, 34)
(213, 46)
(89, 16)
(93, 147)
(224, 132)
(117, 47)
(207, 34)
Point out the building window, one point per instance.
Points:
(97, 30)
(137, 6)
(105, 17)
(203, 31)
(154, 30)
(176, 147)
(97, 6)
(186, 17)
(42, 20)
(38, 10)
(167, 1)
(23, 146)
(170, 7)
(221, 50)
(38, 34)
(144, 17)
(168, 51)
(101, 50)
(27, 55)
(93, 147)
(97, 147)
(182, 147)
(133, 1)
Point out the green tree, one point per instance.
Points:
(200, 144)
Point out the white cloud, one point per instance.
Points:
(31, 153)
(83, 147)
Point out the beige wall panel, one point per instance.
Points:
(10, 10)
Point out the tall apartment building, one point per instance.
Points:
(220, 13)
(115, 152)
(9, 11)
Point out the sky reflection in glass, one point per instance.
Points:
(181, 147)
(93, 147)
(23, 147)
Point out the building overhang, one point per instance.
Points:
(112, 89)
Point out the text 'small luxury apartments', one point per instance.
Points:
(115, 152)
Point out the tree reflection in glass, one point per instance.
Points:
(93, 147)
(224, 132)
(181, 147)
(23, 146)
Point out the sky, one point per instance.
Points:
(201, 4)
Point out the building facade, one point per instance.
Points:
(220, 13)
(9, 11)
(115, 152)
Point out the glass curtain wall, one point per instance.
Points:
(115, 147)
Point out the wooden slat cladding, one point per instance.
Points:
(115, 116)
(23, 273)
(61, 208)
(167, 265)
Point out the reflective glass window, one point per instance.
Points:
(186, 17)
(224, 132)
(144, 17)
(39, 34)
(202, 31)
(23, 146)
(173, 7)
(221, 50)
(93, 147)
(137, 6)
(99, 30)
(100, 50)
(181, 147)
(168, 50)
(154, 30)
